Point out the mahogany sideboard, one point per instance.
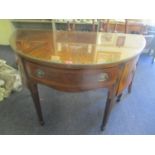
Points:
(74, 61)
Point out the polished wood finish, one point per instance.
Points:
(77, 61)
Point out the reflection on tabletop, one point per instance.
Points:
(77, 47)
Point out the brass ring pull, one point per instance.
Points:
(40, 73)
(103, 77)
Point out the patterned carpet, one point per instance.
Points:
(81, 113)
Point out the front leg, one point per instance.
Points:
(119, 97)
(35, 96)
(109, 104)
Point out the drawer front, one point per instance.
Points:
(72, 78)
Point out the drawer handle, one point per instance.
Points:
(103, 77)
(40, 73)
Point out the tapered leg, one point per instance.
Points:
(107, 110)
(130, 87)
(35, 95)
(119, 97)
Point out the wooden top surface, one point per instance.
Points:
(77, 48)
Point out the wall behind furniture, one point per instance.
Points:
(6, 30)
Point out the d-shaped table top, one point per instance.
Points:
(77, 48)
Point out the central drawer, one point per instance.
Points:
(75, 78)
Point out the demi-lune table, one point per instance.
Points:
(74, 61)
